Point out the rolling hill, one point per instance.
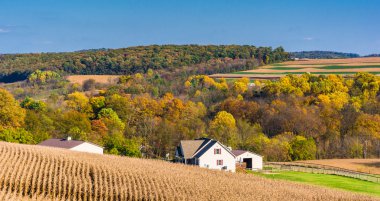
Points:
(40, 173)
(323, 55)
(181, 59)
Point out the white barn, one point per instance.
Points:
(206, 153)
(253, 161)
(74, 145)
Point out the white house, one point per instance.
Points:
(253, 161)
(74, 145)
(206, 153)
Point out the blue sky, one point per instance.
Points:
(67, 25)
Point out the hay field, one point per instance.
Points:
(42, 173)
(103, 79)
(344, 67)
(371, 166)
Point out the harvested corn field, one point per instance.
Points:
(40, 173)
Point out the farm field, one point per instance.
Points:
(103, 79)
(343, 67)
(41, 173)
(332, 181)
(370, 166)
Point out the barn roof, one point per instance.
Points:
(240, 152)
(62, 143)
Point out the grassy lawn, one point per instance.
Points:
(333, 181)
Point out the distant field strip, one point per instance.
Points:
(312, 66)
(300, 73)
(370, 166)
(104, 79)
(285, 68)
(349, 67)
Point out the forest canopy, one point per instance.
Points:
(125, 61)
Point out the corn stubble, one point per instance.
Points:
(39, 173)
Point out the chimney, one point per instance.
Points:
(68, 138)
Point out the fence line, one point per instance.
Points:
(322, 169)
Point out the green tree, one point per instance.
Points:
(16, 135)
(29, 103)
(302, 148)
(119, 145)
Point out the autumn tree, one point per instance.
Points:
(367, 129)
(11, 114)
(79, 102)
(223, 128)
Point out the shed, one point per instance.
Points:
(252, 160)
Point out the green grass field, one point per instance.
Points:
(332, 181)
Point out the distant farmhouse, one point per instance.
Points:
(74, 145)
(212, 154)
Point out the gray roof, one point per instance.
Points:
(61, 143)
(196, 148)
(189, 147)
(205, 148)
(240, 152)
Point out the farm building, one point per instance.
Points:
(74, 145)
(206, 153)
(252, 161)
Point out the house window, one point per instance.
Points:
(218, 151)
(219, 162)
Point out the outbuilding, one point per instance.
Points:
(252, 160)
(74, 145)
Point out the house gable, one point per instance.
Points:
(208, 146)
(212, 159)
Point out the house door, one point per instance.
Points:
(248, 162)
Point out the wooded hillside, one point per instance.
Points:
(164, 58)
(323, 55)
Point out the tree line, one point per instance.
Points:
(162, 58)
(323, 55)
(146, 115)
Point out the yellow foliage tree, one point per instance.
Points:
(11, 114)
(223, 128)
(79, 102)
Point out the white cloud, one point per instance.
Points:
(4, 30)
(308, 38)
